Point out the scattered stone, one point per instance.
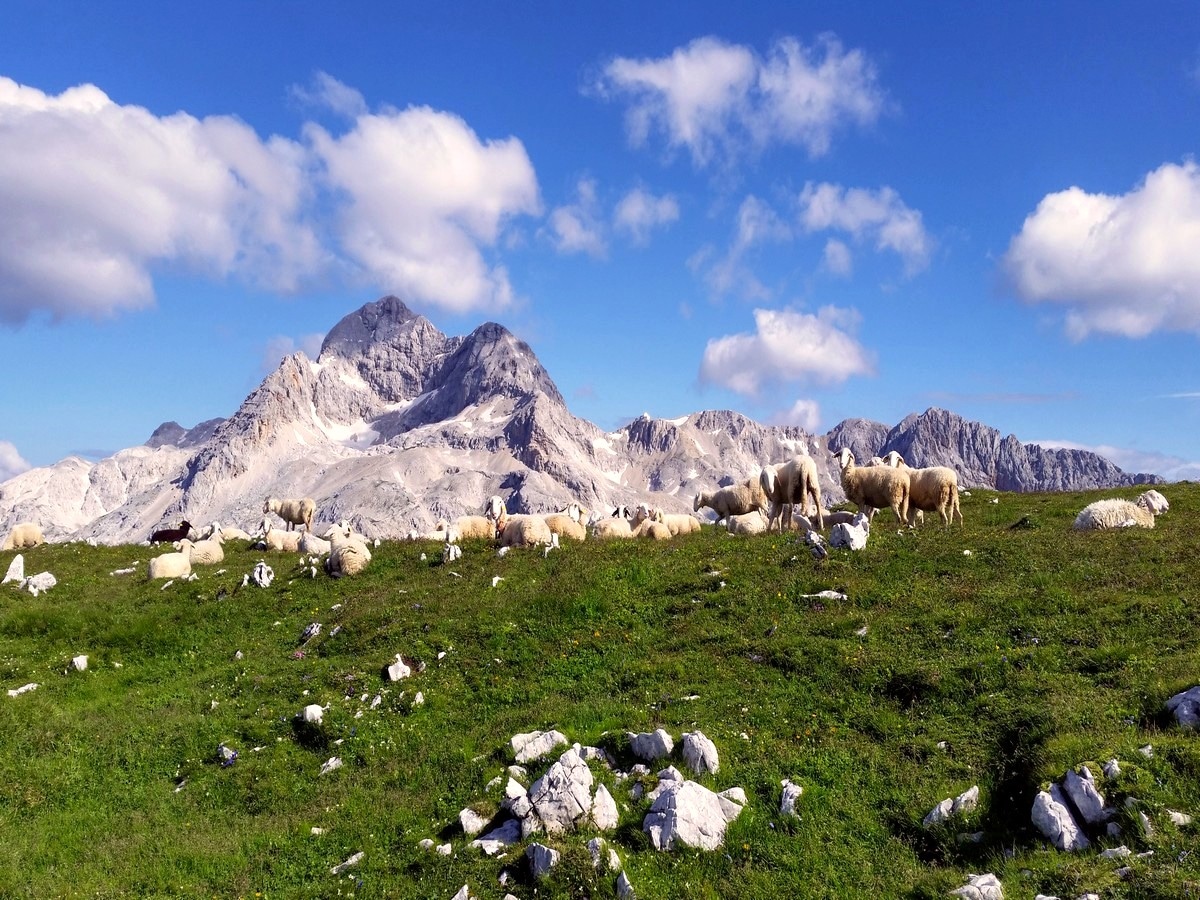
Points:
(850, 537)
(226, 756)
(425, 843)
(330, 765)
(536, 744)
(316, 830)
(16, 570)
(816, 546)
(651, 745)
(732, 801)
(981, 887)
(397, 670)
(596, 848)
(1081, 788)
(1180, 819)
(262, 575)
(472, 822)
(79, 663)
(541, 859)
(960, 805)
(1117, 852)
(1186, 707)
(444, 849)
(499, 838)
(42, 581)
(1144, 820)
(624, 888)
(313, 714)
(1111, 769)
(23, 689)
(562, 797)
(971, 837)
(700, 753)
(1147, 751)
(419, 700)
(689, 814)
(450, 553)
(791, 793)
(349, 863)
(464, 893)
(861, 632)
(604, 809)
(1053, 819)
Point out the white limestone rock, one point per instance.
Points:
(624, 888)
(596, 848)
(1111, 769)
(562, 797)
(700, 753)
(313, 714)
(981, 887)
(536, 744)
(464, 893)
(472, 822)
(604, 809)
(690, 815)
(541, 859)
(497, 839)
(668, 779)
(850, 537)
(791, 793)
(397, 670)
(1081, 788)
(651, 745)
(38, 583)
(23, 689)
(964, 803)
(1186, 707)
(1180, 820)
(1054, 820)
(79, 663)
(349, 863)
(16, 570)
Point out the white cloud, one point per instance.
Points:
(715, 99)
(756, 224)
(880, 217)
(787, 346)
(1124, 265)
(805, 413)
(327, 92)
(1133, 461)
(11, 463)
(96, 195)
(576, 228)
(282, 346)
(837, 257)
(639, 212)
(421, 193)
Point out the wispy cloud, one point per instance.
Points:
(879, 217)
(576, 227)
(719, 101)
(805, 413)
(1124, 265)
(1134, 461)
(787, 346)
(756, 224)
(326, 92)
(11, 462)
(639, 212)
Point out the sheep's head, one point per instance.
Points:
(267, 505)
(1153, 501)
(893, 459)
(844, 458)
(494, 507)
(766, 479)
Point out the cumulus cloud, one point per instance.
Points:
(756, 223)
(282, 346)
(837, 257)
(576, 227)
(1133, 461)
(421, 194)
(719, 100)
(805, 413)
(878, 217)
(96, 195)
(788, 346)
(1125, 265)
(326, 92)
(11, 463)
(639, 212)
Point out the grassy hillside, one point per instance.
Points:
(1039, 650)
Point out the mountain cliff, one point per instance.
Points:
(396, 425)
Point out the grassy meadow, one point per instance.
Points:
(1039, 650)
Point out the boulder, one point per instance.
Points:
(700, 753)
(1054, 820)
(960, 805)
(498, 838)
(562, 797)
(16, 570)
(1186, 707)
(791, 793)
(1089, 802)
(541, 859)
(536, 744)
(688, 814)
(981, 887)
(604, 809)
(651, 745)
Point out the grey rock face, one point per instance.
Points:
(562, 797)
(1185, 706)
(700, 753)
(651, 745)
(1052, 817)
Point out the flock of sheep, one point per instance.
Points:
(778, 498)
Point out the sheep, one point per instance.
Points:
(838, 517)
(469, 528)
(281, 541)
(754, 522)
(734, 500)
(651, 530)
(22, 536)
(312, 545)
(616, 525)
(874, 486)
(782, 484)
(172, 565)
(565, 526)
(348, 555)
(208, 552)
(677, 523)
(295, 512)
(522, 530)
(931, 488)
(171, 535)
(1117, 513)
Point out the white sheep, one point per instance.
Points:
(23, 536)
(785, 483)
(876, 487)
(522, 530)
(312, 545)
(172, 565)
(677, 523)
(294, 511)
(565, 526)
(747, 523)
(468, 528)
(932, 488)
(209, 551)
(280, 541)
(651, 529)
(1154, 501)
(233, 533)
(616, 525)
(734, 500)
(348, 555)
(836, 517)
(1117, 513)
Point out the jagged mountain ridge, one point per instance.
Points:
(396, 425)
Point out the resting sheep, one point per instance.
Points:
(565, 526)
(23, 536)
(933, 488)
(677, 523)
(171, 535)
(312, 545)
(295, 512)
(876, 487)
(470, 528)
(616, 525)
(651, 530)
(748, 523)
(1116, 513)
(208, 552)
(348, 555)
(734, 500)
(522, 530)
(783, 484)
(280, 541)
(172, 565)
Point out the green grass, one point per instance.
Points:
(1040, 650)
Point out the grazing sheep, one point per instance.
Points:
(522, 530)
(747, 523)
(171, 535)
(677, 523)
(931, 488)
(875, 487)
(209, 551)
(734, 500)
(783, 484)
(348, 555)
(295, 512)
(1116, 513)
(23, 536)
(172, 565)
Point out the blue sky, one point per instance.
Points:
(802, 213)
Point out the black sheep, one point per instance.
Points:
(171, 535)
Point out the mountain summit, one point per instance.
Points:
(395, 425)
